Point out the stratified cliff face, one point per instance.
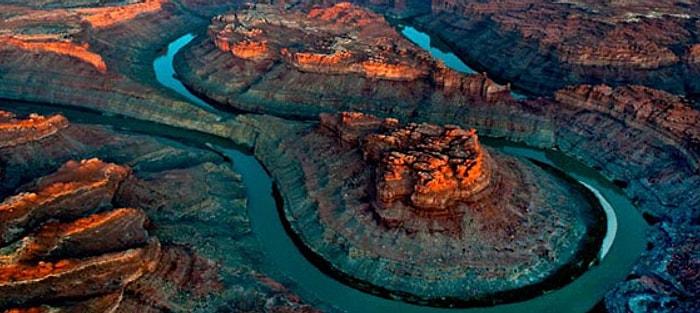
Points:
(644, 139)
(62, 31)
(58, 247)
(153, 235)
(465, 225)
(542, 46)
(290, 63)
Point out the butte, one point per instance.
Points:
(426, 214)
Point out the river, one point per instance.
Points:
(620, 249)
(284, 261)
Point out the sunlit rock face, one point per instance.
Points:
(73, 53)
(429, 167)
(60, 29)
(17, 131)
(56, 246)
(62, 196)
(425, 213)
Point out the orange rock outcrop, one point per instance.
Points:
(119, 228)
(427, 166)
(69, 24)
(75, 190)
(249, 49)
(405, 206)
(339, 32)
(68, 48)
(21, 283)
(344, 14)
(693, 56)
(391, 71)
(16, 132)
(108, 16)
(58, 245)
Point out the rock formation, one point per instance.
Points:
(108, 16)
(565, 43)
(16, 132)
(644, 139)
(93, 236)
(79, 51)
(63, 38)
(465, 225)
(652, 155)
(666, 277)
(347, 58)
(68, 250)
(53, 54)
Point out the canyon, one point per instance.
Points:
(543, 46)
(643, 138)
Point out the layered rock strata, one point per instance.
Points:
(56, 247)
(649, 155)
(465, 225)
(291, 63)
(664, 190)
(542, 46)
(645, 140)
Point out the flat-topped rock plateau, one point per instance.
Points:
(298, 64)
(81, 234)
(542, 46)
(426, 214)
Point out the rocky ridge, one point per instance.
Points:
(93, 236)
(53, 54)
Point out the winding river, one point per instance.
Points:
(622, 246)
(620, 249)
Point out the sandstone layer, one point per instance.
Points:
(296, 64)
(149, 236)
(542, 46)
(438, 219)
